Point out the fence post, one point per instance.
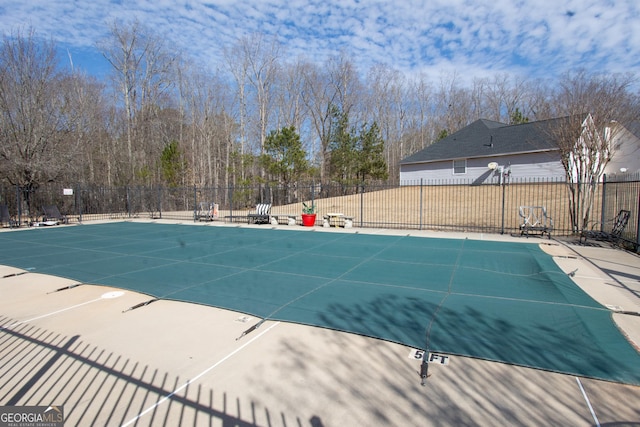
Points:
(195, 203)
(231, 203)
(603, 214)
(638, 226)
(504, 190)
(18, 206)
(128, 201)
(78, 199)
(361, 204)
(313, 190)
(421, 206)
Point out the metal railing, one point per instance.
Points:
(423, 205)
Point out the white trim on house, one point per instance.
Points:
(479, 157)
(458, 167)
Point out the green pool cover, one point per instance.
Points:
(507, 302)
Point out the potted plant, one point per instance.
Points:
(308, 215)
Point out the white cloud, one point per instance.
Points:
(541, 37)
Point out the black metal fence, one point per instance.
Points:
(424, 205)
(622, 191)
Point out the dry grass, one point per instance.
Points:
(489, 208)
(446, 207)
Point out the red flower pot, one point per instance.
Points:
(308, 220)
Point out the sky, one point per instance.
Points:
(471, 38)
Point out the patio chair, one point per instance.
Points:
(598, 232)
(535, 220)
(207, 211)
(6, 218)
(262, 214)
(51, 213)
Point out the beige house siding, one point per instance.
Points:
(530, 166)
(625, 154)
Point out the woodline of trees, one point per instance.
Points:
(160, 119)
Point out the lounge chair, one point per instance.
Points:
(535, 220)
(598, 232)
(51, 213)
(6, 218)
(262, 214)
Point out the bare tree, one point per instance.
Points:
(594, 105)
(211, 130)
(85, 112)
(290, 107)
(262, 56)
(253, 61)
(502, 95)
(33, 127)
(454, 104)
(343, 76)
(320, 98)
(421, 131)
(539, 107)
(142, 72)
(238, 65)
(388, 109)
(346, 91)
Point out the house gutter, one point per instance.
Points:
(479, 157)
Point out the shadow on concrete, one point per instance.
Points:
(464, 393)
(615, 268)
(96, 387)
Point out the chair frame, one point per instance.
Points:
(262, 214)
(207, 211)
(6, 217)
(535, 220)
(51, 212)
(619, 223)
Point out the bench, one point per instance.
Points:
(262, 215)
(333, 218)
(289, 219)
(535, 220)
(236, 218)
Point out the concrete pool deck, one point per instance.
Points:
(173, 363)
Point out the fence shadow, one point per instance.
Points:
(98, 387)
(454, 395)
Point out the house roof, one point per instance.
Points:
(487, 138)
(634, 128)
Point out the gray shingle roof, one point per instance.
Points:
(486, 138)
(634, 128)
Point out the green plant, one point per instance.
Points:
(306, 209)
